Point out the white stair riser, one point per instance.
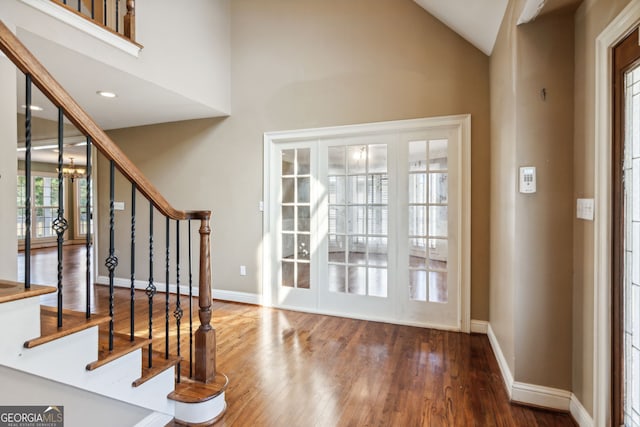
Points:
(24, 314)
(65, 360)
(199, 413)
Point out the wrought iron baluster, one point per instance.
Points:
(190, 308)
(93, 9)
(151, 288)
(27, 179)
(133, 259)
(117, 15)
(166, 309)
(112, 260)
(104, 15)
(60, 224)
(178, 311)
(89, 217)
(79, 5)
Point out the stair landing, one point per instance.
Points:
(14, 291)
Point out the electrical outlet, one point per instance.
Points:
(243, 270)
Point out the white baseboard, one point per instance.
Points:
(479, 326)
(243, 297)
(120, 282)
(359, 316)
(579, 413)
(507, 376)
(537, 395)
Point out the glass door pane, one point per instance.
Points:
(631, 288)
(428, 220)
(295, 209)
(358, 196)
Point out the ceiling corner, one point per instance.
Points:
(476, 21)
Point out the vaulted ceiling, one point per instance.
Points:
(478, 21)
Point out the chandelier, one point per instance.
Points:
(72, 172)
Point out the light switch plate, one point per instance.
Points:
(584, 209)
(527, 179)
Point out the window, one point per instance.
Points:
(44, 206)
(82, 220)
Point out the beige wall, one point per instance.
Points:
(43, 128)
(590, 20)
(531, 234)
(311, 64)
(503, 185)
(544, 233)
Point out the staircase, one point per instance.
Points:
(82, 348)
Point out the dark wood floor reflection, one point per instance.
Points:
(295, 369)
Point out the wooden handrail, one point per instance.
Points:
(205, 336)
(43, 80)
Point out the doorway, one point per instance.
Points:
(370, 221)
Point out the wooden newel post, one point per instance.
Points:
(130, 21)
(205, 336)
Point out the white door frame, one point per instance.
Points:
(464, 124)
(614, 33)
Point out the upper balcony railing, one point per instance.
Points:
(118, 16)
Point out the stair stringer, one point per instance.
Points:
(65, 360)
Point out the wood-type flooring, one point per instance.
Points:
(295, 369)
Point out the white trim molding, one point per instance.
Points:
(507, 375)
(615, 31)
(120, 282)
(536, 395)
(234, 296)
(479, 326)
(219, 294)
(85, 25)
(545, 397)
(579, 413)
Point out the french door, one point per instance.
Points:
(367, 221)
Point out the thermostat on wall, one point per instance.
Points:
(528, 179)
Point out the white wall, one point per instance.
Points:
(186, 48)
(81, 408)
(8, 164)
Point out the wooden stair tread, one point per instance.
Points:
(160, 364)
(190, 391)
(72, 322)
(13, 291)
(122, 345)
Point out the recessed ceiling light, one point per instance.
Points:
(106, 94)
(33, 107)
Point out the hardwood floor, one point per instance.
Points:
(296, 369)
